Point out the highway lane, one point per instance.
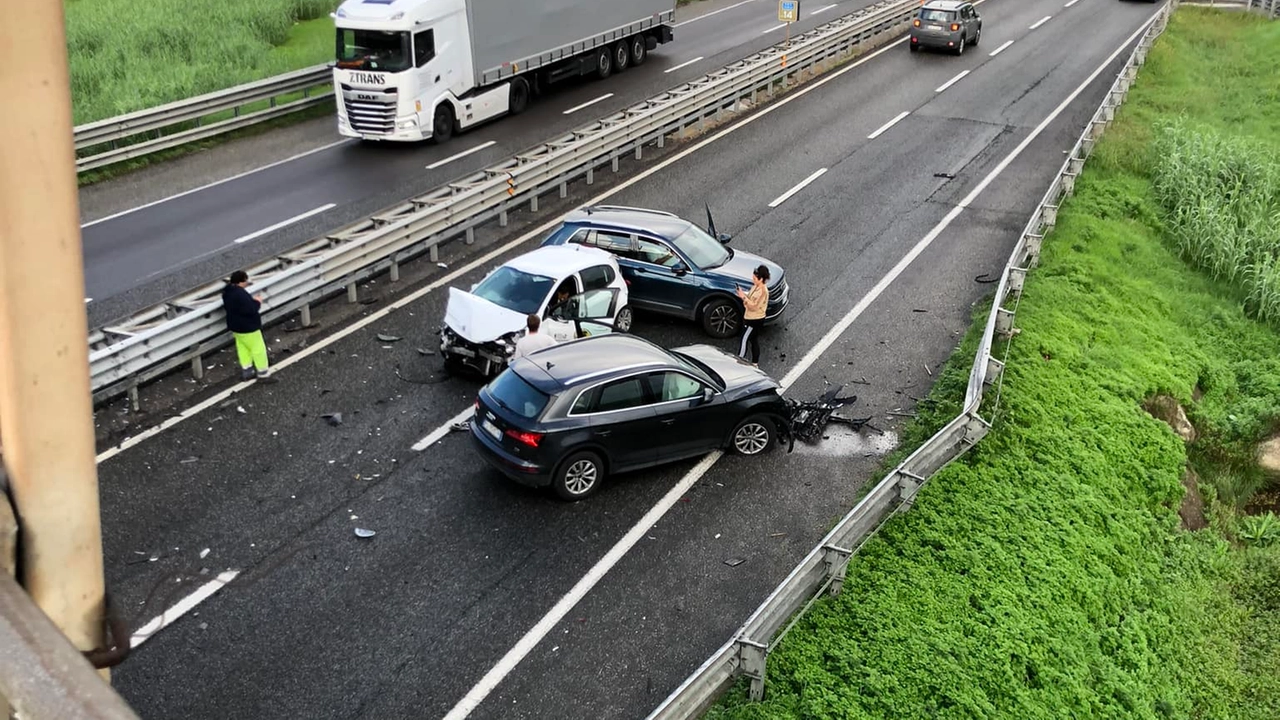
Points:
(464, 563)
(157, 250)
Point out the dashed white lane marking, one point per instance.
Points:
(167, 618)
(153, 203)
(885, 127)
(1000, 49)
(284, 223)
(799, 186)
(683, 65)
(588, 103)
(525, 645)
(459, 156)
(951, 82)
(1040, 22)
(713, 12)
(440, 432)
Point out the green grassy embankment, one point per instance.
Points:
(1051, 573)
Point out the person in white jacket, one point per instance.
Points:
(533, 340)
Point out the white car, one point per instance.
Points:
(577, 291)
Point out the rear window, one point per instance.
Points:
(937, 15)
(513, 393)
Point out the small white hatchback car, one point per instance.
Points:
(576, 290)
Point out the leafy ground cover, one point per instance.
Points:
(125, 57)
(1050, 573)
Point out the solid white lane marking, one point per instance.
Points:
(1000, 49)
(443, 430)
(1040, 22)
(284, 223)
(153, 203)
(822, 9)
(713, 12)
(88, 300)
(166, 618)
(557, 613)
(588, 103)
(683, 65)
(444, 280)
(799, 186)
(1073, 2)
(459, 156)
(883, 128)
(772, 29)
(952, 81)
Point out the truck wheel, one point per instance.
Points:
(519, 96)
(442, 124)
(604, 63)
(621, 56)
(638, 51)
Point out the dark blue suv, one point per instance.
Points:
(672, 266)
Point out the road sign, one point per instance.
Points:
(788, 11)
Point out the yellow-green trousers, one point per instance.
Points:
(252, 350)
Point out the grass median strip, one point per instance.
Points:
(1107, 550)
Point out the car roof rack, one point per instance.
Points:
(632, 209)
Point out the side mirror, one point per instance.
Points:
(707, 395)
(724, 238)
(679, 268)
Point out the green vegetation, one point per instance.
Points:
(1045, 574)
(127, 57)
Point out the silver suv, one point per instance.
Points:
(951, 24)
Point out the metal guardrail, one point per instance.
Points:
(181, 330)
(113, 140)
(825, 566)
(1270, 7)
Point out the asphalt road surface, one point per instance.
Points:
(153, 251)
(532, 608)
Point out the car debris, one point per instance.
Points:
(810, 419)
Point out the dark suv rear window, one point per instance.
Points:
(513, 393)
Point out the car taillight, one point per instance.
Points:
(528, 438)
(916, 22)
(955, 27)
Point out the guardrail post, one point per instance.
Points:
(305, 315)
(502, 217)
(908, 485)
(46, 412)
(393, 272)
(591, 175)
(994, 368)
(1004, 321)
(639, 148)
(471, 236)
(197, 367)
(1034, 242)
(837, 560)
(614, 162)
(752, 657)
(564, 189)
(1049, 216)
(1017, 276)
(353, 294)
(533, 201)
(134, 403)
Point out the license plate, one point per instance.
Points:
(935, 28)
(491, 429)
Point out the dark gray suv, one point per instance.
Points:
(950, 24)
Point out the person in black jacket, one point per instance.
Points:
(245, 323)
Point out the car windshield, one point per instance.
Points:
(697, 366)
(514, 393)
(515, 290)
(373, 50)
(702, 250)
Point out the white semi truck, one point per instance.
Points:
(411, 70)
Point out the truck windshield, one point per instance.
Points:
(373, 50)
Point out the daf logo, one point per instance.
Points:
(368, 78)
(365, 96)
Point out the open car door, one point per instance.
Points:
(583, 315)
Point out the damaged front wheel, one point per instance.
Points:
(754, 435)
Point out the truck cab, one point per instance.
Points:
(397, 62)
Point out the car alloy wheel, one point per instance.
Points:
(721, 319)
(623, 321)
(579, 476)
(753, 435)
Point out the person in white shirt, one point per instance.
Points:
(533, 340)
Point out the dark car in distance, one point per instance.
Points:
(950, 24)
(673, 267)
(568, 415)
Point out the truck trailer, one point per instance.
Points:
(410, 70)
